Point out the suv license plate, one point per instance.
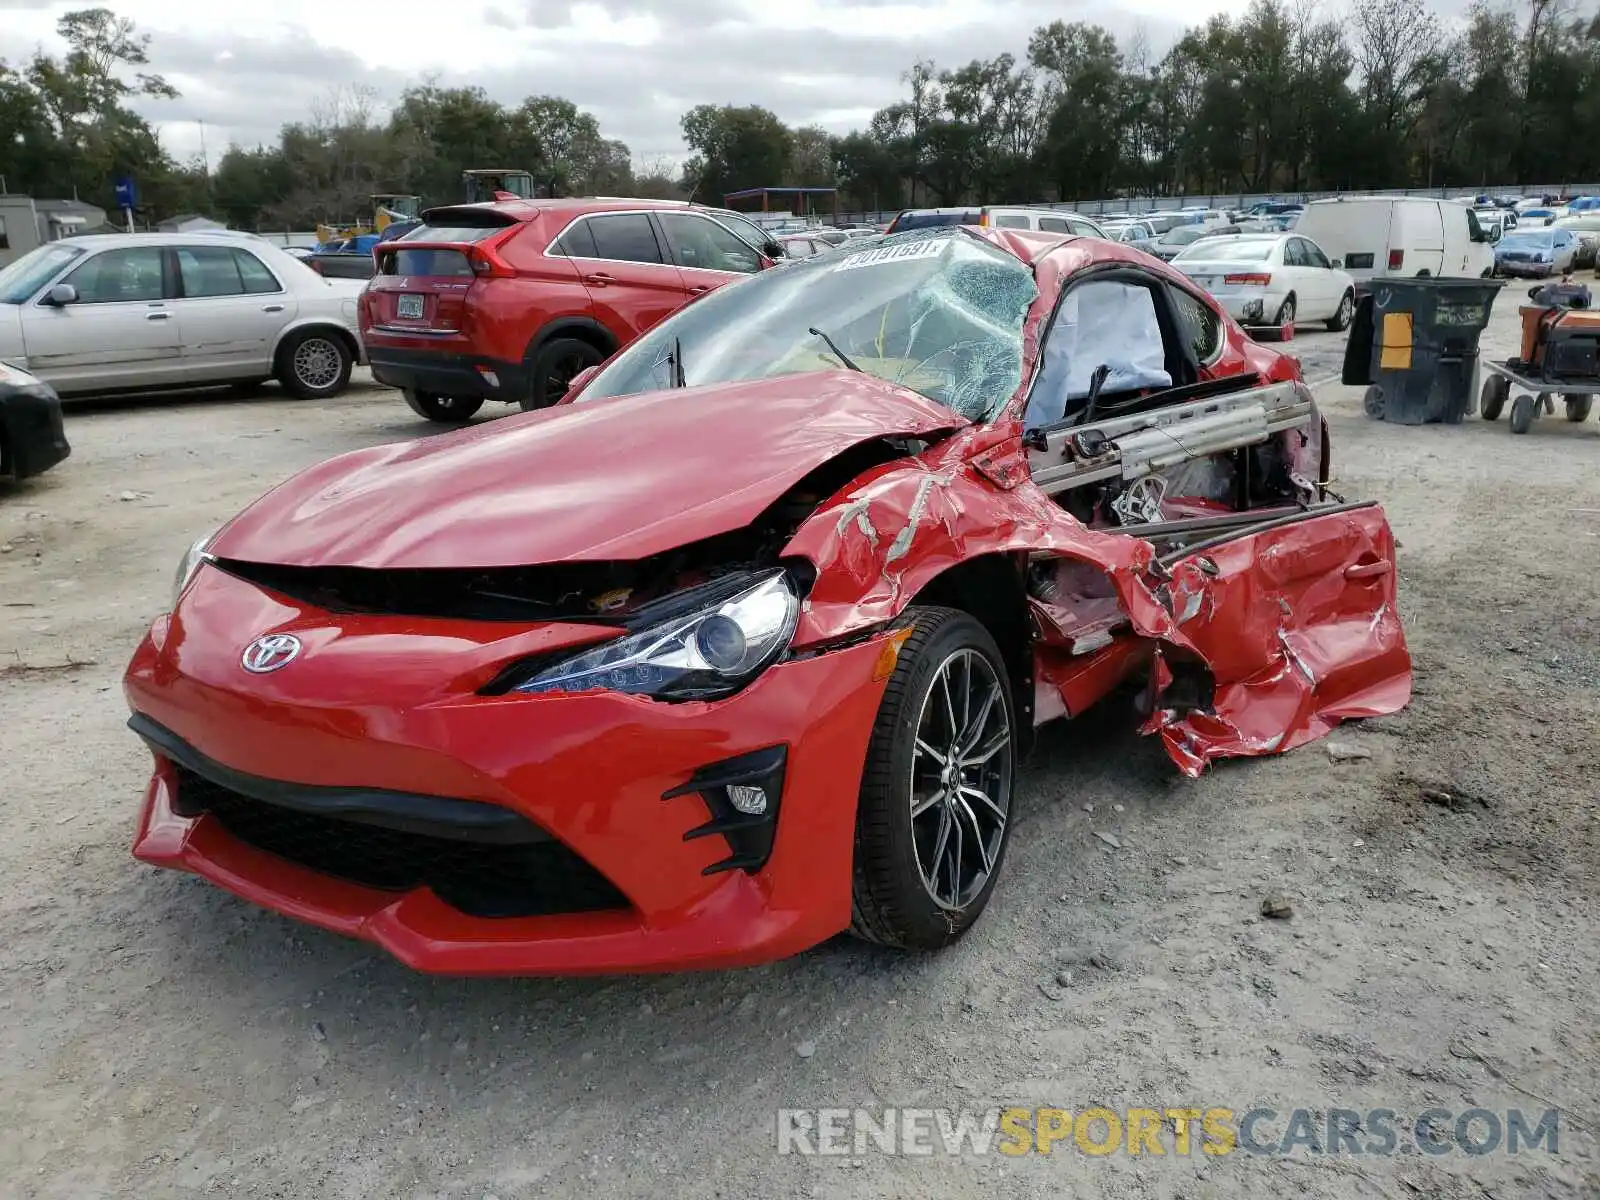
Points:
(410, 306)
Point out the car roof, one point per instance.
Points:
(102, 241)
(569, 206)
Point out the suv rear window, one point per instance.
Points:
(425, 262)
(928, 220)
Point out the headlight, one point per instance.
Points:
(188, 565)
(709, 652)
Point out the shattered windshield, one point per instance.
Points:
(939, 311)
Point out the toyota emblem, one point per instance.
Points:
(270, 652)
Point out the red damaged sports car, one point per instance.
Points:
(738, 648)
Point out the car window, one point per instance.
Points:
(25, 276)
(258, 277)
(1053, 225)
(1012, 221)
(1314, 255)
(119, 276)
(209, 271)
(743, 227)
(1101, 322)
(937, 311)
(701, 244)
(624, 237)
(1293, 256)
(576, 242)
(1082, 228)
(1199, 322)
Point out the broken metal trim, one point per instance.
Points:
(1151, 441)
(1293, 518)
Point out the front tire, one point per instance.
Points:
(447, 410)
(554, 366)
(1340, 321)
(1493, 398)
(1578, 407)
(934, 815)
(1522, 413)
(314, 364)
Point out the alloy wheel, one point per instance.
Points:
(960, 786)
(317, 363)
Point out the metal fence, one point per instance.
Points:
(1242, 200)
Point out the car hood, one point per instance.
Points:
(619, 478)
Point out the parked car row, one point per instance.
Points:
(511, 300)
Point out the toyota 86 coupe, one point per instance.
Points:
(739, 646)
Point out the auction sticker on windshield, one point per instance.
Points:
(927, 248)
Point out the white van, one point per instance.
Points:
(1375, 236)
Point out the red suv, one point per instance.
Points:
(508, 301)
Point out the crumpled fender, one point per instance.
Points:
(1297, 625)
(895, 529)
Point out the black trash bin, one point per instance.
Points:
(1414, 343)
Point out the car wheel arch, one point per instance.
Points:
(583, 328)
(991, 589)
(319, 325)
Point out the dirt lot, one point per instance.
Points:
(160, 1038)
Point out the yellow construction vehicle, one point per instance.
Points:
(387, 207)
(496, 184)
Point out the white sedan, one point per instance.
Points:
(1271, 279)
(145, 311)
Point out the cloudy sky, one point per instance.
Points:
(636, 64)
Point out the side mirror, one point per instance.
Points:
(61, 295)
(579, 382)
(1335, 263)
(775, 251)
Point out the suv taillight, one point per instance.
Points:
(487, 263)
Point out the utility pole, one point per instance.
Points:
(205, 159)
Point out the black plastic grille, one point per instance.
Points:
(480, 879)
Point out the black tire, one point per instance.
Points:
(557, 362)
(892, 902)
(1340, 321)
(1424, 274)
(447, 410)
(1522, 413)
(1493, 397)
(247, 387)
(1372, 403)
(1578, 408)
(314, 364)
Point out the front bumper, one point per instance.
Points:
(446, 372)
(35, 433)
(1526, 270)
(594, 771)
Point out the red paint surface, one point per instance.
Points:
(620, 478)
(590, 769)
(1297, 627)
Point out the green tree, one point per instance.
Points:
(734, 148)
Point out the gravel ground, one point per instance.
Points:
(160, 1038)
